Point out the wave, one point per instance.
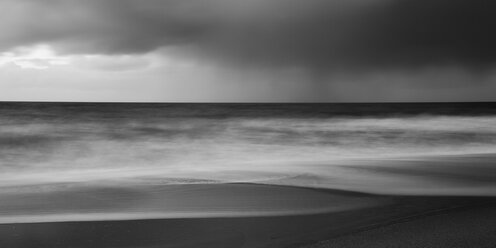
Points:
(149, 143)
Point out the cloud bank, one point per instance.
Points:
(317, 34)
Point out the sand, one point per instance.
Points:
(472, 227)
(223, 215)
(95, 202)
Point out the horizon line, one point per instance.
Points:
(243, 102)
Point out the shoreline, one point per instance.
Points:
(356, 213)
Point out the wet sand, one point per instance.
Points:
(203, 215)
(467, 227)
(76, 202)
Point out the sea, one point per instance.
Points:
(384, 148)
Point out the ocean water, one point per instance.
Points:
(386, 148)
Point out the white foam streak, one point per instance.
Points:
(243, 150)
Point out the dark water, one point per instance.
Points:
(304, 144)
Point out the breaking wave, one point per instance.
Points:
(198, 144)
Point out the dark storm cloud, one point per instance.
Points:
(317, 34)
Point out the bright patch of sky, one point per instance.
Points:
(35, 57)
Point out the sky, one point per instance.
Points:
(247, 50)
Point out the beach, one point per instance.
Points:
(247, 124)
(88, 175)
(231, 215)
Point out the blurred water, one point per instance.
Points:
(191, 143)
